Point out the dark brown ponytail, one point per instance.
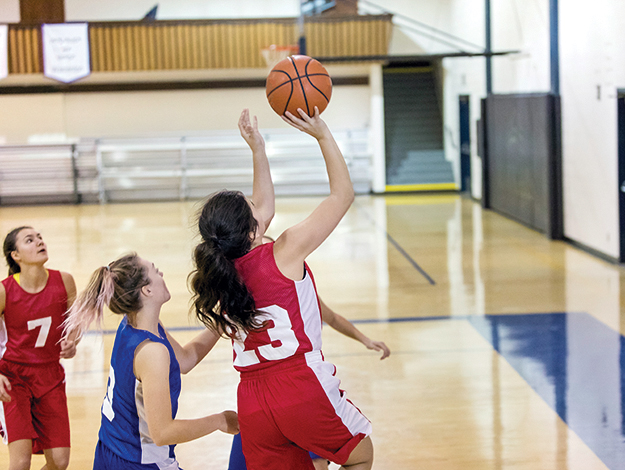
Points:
(10, 245)
(221, 299)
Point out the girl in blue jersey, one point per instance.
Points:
(138, 428)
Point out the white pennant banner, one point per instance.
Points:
(4, 51)
(66, 51)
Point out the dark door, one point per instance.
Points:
(621, 172)
(465, 144)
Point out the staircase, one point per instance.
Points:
(415, 156)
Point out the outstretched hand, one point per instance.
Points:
(230, 424)
(249, 131)
(378, 346)
(314, 126)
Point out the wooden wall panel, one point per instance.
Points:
(42, 11)
(225, 44)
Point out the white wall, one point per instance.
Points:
(77, 115)
(405, 40)
(9, 11)
(521, 26)
(114, 10)
(591, 41)
(25, 115)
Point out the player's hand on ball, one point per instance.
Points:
(249, 131)
(5, 386)
(314, 126)
(230, 423)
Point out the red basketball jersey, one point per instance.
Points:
(291, 309)
(33, 321)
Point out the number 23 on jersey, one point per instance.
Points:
(281, 331)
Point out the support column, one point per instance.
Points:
(488, 49)
(376, 129)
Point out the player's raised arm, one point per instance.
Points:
(194, 351)
(263, 196)
(297, 242)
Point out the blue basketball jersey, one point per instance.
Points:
(124, 429)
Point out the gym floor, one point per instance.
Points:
(507, 348)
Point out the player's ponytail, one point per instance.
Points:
(221, 300)
(117, 285)
(9, 246)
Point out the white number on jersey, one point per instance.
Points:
(107, 404)
(282, 330)
(44, 323)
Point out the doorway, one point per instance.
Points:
(621, 172)
(465, 143)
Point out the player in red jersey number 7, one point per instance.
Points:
(263, 296)
(33, 404)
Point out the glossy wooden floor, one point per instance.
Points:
(412, 271)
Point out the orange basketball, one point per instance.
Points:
(298, 81)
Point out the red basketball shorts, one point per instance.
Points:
(291, 408)
(38, 406)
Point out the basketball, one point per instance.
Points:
(298, 81)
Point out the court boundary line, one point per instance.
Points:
(397, 246)
(363, 321)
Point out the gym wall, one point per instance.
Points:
(25, 117)
(592, 41)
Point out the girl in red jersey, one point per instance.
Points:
(33, 404)
(263, 296)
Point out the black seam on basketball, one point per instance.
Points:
(281, 84)
(286, 106)
(291, 80)
(313, 85)
(302, 85)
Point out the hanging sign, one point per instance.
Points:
(4, 51)
(65, 51)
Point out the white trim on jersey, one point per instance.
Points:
(150, 452)
(309, 309)
(3, 425)
(4, 337)
(351, 416)
(169, 464)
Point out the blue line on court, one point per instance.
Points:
(406, 319)
(576, 364)
(368, 320)
(409, 258)
(399, 248)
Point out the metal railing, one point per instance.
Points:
(172, 167)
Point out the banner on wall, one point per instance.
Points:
(65, 51)
(4, 51)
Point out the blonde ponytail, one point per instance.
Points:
(117, 286)
(89, 306)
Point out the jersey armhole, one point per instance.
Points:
(138, 349)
